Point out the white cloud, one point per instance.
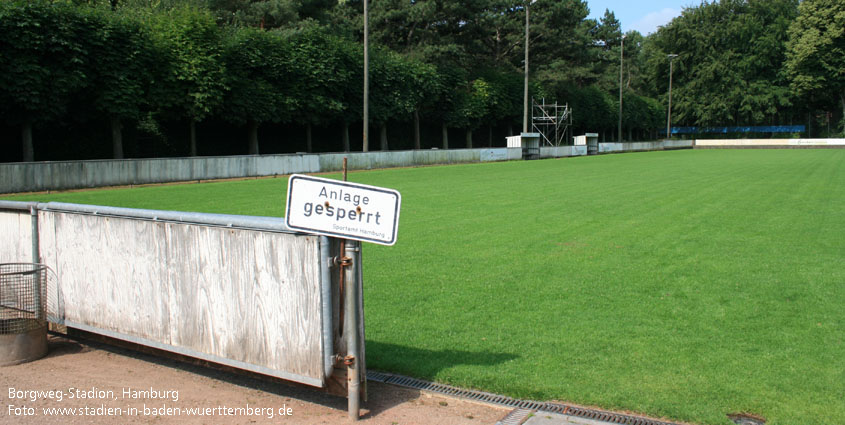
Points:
(649, 23)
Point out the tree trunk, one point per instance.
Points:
(416, 129)
(809, 126)
(445, 131)
(117, 138)
(308, 147)
(630, 135)
(193, 137)
(490, 136)
(842, 98)
(469, 138)
(383, 136)
(26, 139)
(510, 130)
(344, 136)
(252, 129)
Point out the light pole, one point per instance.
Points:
(525, 92)
(621, 57)
(672, 57)
(366, 146)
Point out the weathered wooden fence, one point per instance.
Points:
(240, 291)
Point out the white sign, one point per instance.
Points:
(342, 209)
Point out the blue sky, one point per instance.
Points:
(643, 16)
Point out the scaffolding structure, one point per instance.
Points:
(552, 121)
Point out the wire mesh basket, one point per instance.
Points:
(23, 297)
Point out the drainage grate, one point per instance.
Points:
(519, 405)
(600, 415)
(376, 376)
(516, 417)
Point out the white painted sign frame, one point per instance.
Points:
(342, 209)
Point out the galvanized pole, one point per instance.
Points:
(672, 57)
(349, 288)
(366, 79)
(525, 99)
(36, 259)
(36, 250)
(621, 57)
(353, 369)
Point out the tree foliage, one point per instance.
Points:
(143, 64)
(731, 56)
(191, 42)
(192, 85)
(260, 80)
(42, 62)
(816, 52)
(269, 13)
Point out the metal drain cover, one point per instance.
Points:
(522, 407)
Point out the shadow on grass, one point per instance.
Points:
(424, 363)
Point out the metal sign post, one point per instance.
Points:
(351, 328)
(349, 212)
(349, 251)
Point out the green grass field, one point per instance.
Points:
(684, 284)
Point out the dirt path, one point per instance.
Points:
(106, 385)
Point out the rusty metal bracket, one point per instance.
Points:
(342, 261)
(346, 361)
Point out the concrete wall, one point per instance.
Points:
(36, 176)
(562, 151)
(565, 151)
(644, 146)
(678, 144)
(39, 176)
(240, 291)
(373, 160)
(769, 143)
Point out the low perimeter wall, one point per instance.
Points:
(562, 151)
(769, 143)
(62, 175)
(566, 151)
(645, 146)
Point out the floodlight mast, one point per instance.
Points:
(525, 91)
(621, 62)
(671, 57)
(366, 144)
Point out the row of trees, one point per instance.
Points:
(64, 62)
(143, 68)
(746, 62)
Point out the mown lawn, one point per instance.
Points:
(684, 284)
